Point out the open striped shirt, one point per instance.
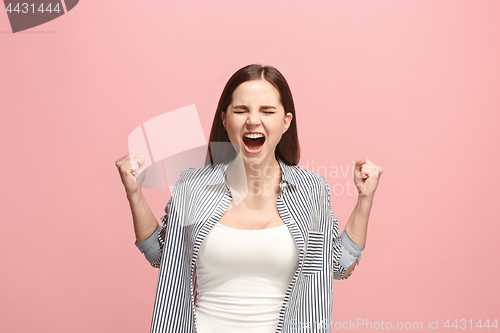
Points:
(199, 199)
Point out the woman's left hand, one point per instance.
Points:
(366, 177)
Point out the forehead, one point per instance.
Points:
(256, 91)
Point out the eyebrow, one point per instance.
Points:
(244, 107)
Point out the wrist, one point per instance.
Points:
(134, 197)
(365, 199)
(364, 206)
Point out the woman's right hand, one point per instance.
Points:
(129, 166)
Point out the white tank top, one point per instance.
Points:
(242, 278)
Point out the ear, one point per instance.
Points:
(288, 121)
(223, 115)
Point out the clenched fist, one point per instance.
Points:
(366, 177)
(132, 172)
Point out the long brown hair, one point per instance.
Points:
(288, 149)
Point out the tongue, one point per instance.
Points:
(254, 144)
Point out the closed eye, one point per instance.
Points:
(266, 112)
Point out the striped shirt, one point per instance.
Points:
(199, 199)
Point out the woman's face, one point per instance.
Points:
(256, 109)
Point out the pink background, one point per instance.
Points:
(412, 85)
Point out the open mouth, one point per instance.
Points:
(253, 143)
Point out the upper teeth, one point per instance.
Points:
(254, 136)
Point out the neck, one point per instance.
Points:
(257, 178)
(263, 178)
(259, 170)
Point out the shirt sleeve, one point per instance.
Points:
(152, 247)
(345, 251)
(351, 251)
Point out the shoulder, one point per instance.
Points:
(200, 176)
(188, 173)
(305, 178)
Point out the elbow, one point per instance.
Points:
(349, 271)
(343, 273)
(154, 257)
(156, 264)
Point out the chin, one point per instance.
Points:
(256, 158)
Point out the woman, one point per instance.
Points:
(249, 242)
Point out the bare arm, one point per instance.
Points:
(145, 224)
(366, 178)
(144, 221)
(357, 226)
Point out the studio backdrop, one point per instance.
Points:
(412, 85)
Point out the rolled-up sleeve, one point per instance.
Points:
(351, 251)
(151, 247)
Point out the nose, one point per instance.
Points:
(253, 118)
